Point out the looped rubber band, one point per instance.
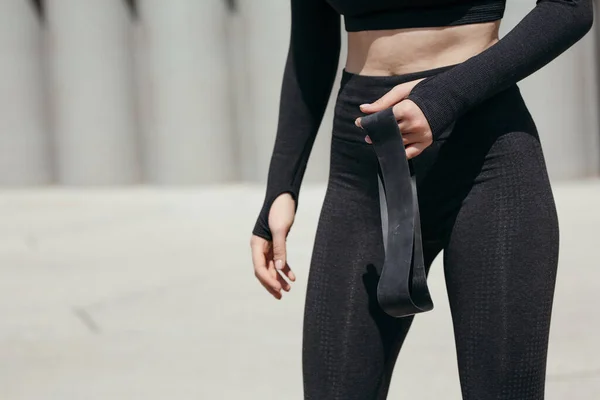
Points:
(402, 288)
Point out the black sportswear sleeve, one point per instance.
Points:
(547, 31)
(308, 78)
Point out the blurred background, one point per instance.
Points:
(135, 137)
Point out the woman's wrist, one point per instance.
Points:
(262, 227)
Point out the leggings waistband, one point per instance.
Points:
(356, 89)
(376, 81)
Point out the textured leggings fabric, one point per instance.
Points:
(485, 199)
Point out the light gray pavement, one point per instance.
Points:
(148, 293)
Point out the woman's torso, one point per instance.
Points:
(401, 51)
(392, 37)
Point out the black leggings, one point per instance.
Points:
(485, 199)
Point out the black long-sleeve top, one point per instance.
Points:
(547, 31)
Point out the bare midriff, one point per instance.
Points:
(401, 51)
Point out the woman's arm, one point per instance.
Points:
(310, 70)
(547, 31)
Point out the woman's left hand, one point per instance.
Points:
(416, 133)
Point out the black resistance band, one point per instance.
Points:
(402, 288)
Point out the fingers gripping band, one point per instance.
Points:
(402, 287)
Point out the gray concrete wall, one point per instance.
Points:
(91, 92)
(189, 137)
(188, 93)
(24, 142)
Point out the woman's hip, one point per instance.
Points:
(489, 142)
(469, 143)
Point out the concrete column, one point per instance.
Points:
(24, 152)
(246, 146)
(189, 137)
(588, 84)
(92, 91)
(562, 98)
(143, 85)
(266, 35)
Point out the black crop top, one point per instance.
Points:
(547, 31)
(360, 15)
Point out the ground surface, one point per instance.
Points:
(149, 294)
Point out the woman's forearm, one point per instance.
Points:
(309, 74)
(547, 31)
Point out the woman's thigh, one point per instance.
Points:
(500, 265)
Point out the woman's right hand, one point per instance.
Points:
(269, 258)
